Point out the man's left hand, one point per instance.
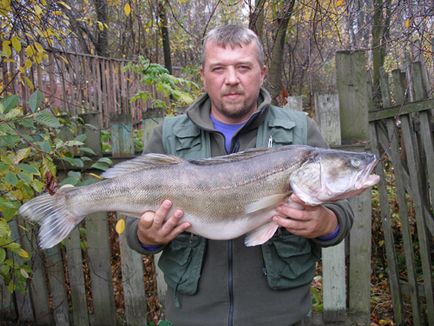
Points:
(304, 220)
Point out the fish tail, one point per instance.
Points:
(52, 214)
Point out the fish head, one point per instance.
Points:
(328, 175)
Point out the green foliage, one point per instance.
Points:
(31, 146)
(316, 293)
(107, 146)
(171, 91)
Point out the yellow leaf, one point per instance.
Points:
(5, 5)
(24, 253)
(64, 59)
(7, 51)
(120, 226)
(127, 9)
(16, 43)
(24, 273)
(38, 10)
(22, 154)
(29, 51)
(64, 5)
(407, 23)
(39, 47)
(28, 82)
(100, 26)
(28, 64)
(96, 176)
(38, 58)
(340, 3)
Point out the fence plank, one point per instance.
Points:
(360, 257)
(74, 260)
(38, 284)
(100, 268)
(327, 116)
(131, 261)
(427, 143)
(294, 103)
(122, 140)
(393, 275)
(392, 143)
(420, 219)
(133, 284)
(354, 95)
(355, 100)
(23, 303)
(56, 278)
(333, 258)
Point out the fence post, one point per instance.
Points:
(333, 258)
(131, 261)
(97, 236)
(294, 103)
(152, 118)
(355, 100)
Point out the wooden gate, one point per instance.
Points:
(402, 135)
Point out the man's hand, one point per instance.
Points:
(305, 221)
(156, 228)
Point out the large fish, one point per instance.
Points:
(222, 197)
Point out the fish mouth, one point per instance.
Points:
(367, 177)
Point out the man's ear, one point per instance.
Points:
(264, 73)
(202, 77)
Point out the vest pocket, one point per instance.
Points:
(289, 260)
(181, 262)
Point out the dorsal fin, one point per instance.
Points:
(231, 157)
(147, 161)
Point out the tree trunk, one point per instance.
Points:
(101, 45)
(165, 35)
(274, 84)
(379, 31)
(256, 20)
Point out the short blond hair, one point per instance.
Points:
(233, 35)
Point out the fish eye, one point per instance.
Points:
(355, 162)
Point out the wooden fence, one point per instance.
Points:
(401, 131)
(79, 83)
(66, 276)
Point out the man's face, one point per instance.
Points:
(232, 78)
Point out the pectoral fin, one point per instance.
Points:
(261, 234)
(266, 202)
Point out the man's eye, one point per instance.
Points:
(217, 69)
(244, 68)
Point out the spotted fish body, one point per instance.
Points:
(222, 197)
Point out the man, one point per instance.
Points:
(224, 282)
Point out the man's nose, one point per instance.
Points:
(231, 76)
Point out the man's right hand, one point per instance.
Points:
(157, 228)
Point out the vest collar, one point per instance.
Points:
(200, 110)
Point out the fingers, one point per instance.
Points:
(161, 212)
(162, 226)
(306, 221)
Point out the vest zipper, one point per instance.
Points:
(230, 283)
(235, 148)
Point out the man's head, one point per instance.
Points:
(234, 35)
(232, 72)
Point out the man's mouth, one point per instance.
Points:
(232, 95)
